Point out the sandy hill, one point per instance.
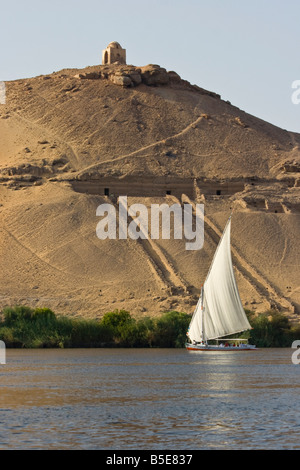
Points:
(74, 139)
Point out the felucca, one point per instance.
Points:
(219, 311)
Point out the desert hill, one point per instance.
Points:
(74, 139)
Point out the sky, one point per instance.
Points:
(246, 51)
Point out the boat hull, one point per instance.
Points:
(211, 347)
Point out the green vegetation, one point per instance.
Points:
(272, 330)
(24, 327)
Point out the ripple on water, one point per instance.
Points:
(149, 399)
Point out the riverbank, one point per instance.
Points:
(25, 327)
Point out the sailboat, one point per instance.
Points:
(219, 311)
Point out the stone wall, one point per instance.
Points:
(155, 186)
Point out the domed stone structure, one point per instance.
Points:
(115, 45)
(113, 53)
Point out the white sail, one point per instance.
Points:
(219, 311)
(195, 332)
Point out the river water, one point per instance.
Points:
(149, 399)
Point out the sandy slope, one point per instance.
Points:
(57, 129)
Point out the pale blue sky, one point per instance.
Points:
(247, 51)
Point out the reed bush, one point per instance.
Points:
(272, 329)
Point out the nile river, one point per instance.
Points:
(149, 399)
